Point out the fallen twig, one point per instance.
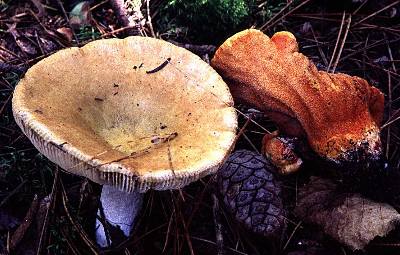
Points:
(12, 193)
(218, 226)
(390, 122)
(210, 242)
(319, 48)
(291, 235)
(67, 19)
(46, 217)
(389, 112)
(124, 244)
(148, 21)
(337, 42)
(21, 230)
(70, 242)
(266, 27)
(98, 5)
(77, 226)
(184, 224)
(117, 31)
(2, 110)
(373, 14)
(276, 15)
(342, 44)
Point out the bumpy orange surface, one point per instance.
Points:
(337, 113)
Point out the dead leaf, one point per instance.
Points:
(393, 12)
(381, 60)
(48, 45)
(24, 44)
(306, 28)
(39, 6)
(80, 15)
(66, 33)
(349, 218)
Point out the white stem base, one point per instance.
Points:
(120, 210)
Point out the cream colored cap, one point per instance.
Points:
(137, 113)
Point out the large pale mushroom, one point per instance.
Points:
(338, 114)
(132, 114)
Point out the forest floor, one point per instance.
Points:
(355, 37)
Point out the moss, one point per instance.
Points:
(203, 21)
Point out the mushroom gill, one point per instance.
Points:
(338, 114)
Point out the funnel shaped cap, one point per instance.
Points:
(136, 113)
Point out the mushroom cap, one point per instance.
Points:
(339, 114)
(135, 113)
(280, 152)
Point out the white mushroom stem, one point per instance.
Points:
(120, 210)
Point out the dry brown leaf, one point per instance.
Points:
(21, 40)
(39, 6)
(349, 218)
(80, 15)
(66, 33)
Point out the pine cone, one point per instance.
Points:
(250, 192)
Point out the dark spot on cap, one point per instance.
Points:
(155, 140)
